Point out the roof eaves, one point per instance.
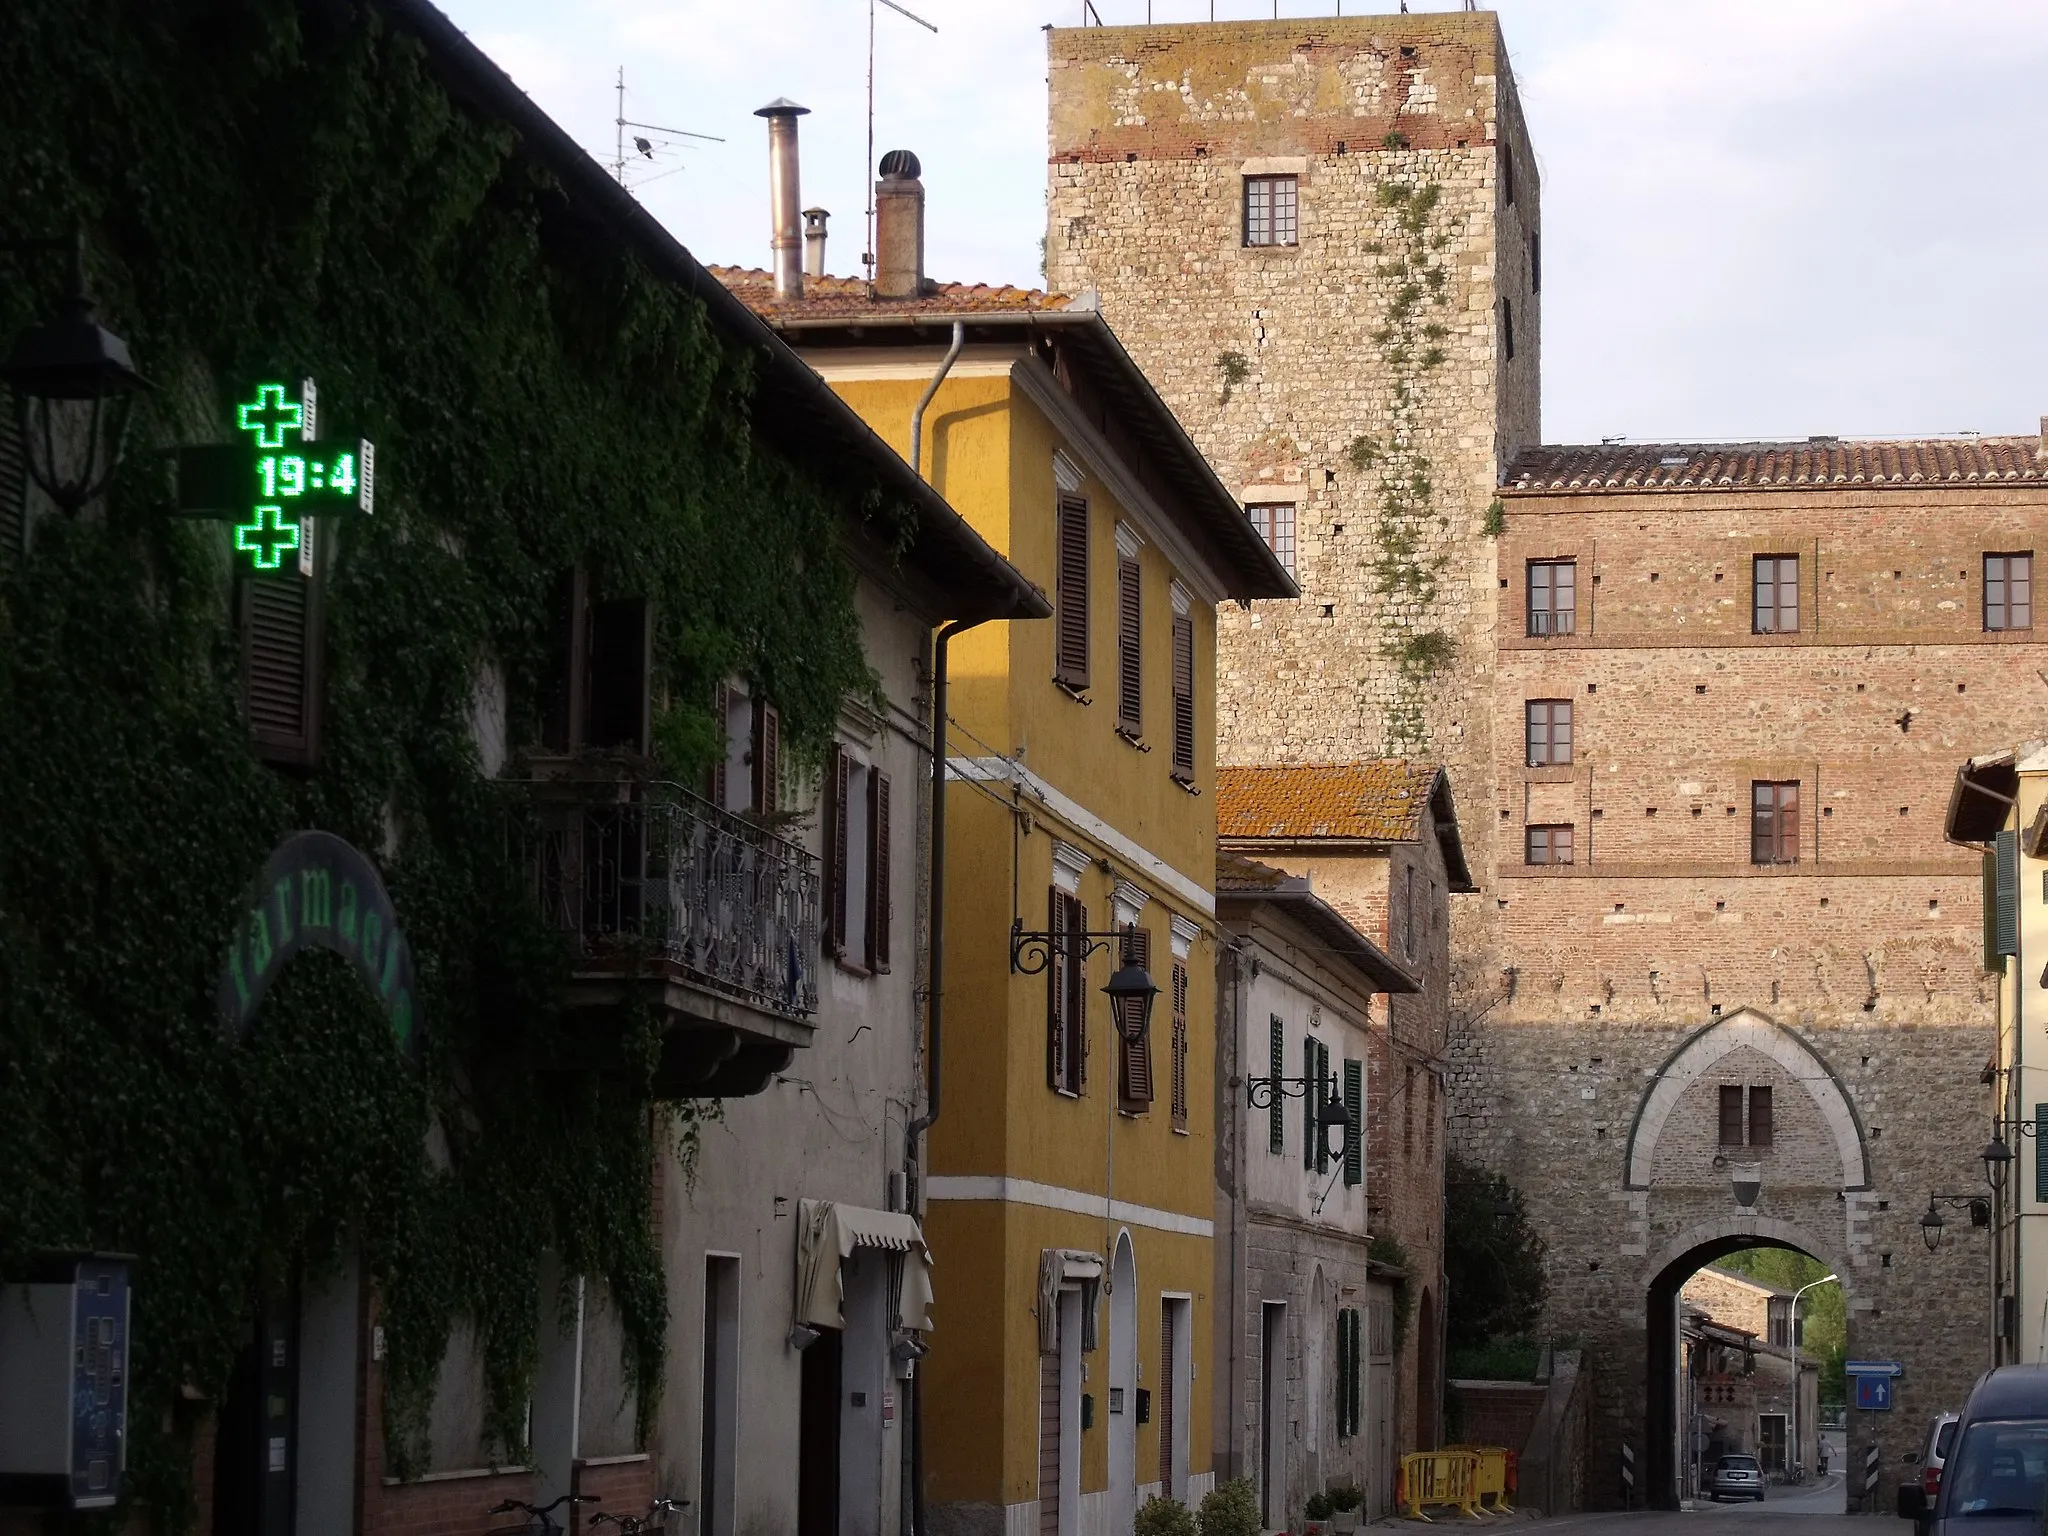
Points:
(1456, 870)
(1375, 964)
(956, 550)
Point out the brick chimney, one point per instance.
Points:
(899, 227)
(2042, 451)
(814, 241)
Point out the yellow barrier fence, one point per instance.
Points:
(1495, 1478)
(1439, 1478)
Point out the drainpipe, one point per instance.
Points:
(917, 416)
(935, 991)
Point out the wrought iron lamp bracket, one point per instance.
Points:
(1262, 1092)
(1031, 951)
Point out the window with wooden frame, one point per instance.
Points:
(1130, 652)
(747, 776)
(601, 667)
(1134, 1057)
(858, 897)
(1774, 587)
(1272, 210)
(2008, 592)
(1553, 597)
(1774, 822)
(1274, 522)
(1745, 1114)
(1550, 844)
(1759, 1116)
(1184, 700)
(1066, 996)
(1180, 1047)
(1548, 732)
(1731, 1115)
(1070, 595)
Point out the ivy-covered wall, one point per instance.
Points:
(271, 190)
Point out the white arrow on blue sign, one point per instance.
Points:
(1872, 1368)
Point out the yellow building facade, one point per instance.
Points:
(1069, 1186)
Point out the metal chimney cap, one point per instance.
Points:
(901, 164)
(782, 106)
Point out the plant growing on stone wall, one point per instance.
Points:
(1496, 520)
(1493, 1257)
(1409, 554)
(1235, 368)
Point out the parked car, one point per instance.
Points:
(1932, 1457)
(1993, 1480)
(1736, 1477)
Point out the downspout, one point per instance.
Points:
(917, 416)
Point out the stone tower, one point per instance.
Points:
(1320, 238)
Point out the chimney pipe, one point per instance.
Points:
(783, 197)
(814, 241)
(899, 227)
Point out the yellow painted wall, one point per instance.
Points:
(990, 453)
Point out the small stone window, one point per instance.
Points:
(2009, 591)
(1274, 521)
(1272, 210)
(1548, 845)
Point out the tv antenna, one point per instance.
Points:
(867, 255)
(650, 142)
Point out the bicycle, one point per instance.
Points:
(542, 1521)
(641, 1525)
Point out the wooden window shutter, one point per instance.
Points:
(1183, 697)
(1056, 993)
(1070, 582)
(767, 744)
(721, 715)
(1311, 1101)
(568, 661)
(621, 670)
(1180, 1046)
(1276, 1068)
(1322, 1097)
(1354, 1135)
(2006, 853)
(1992, 961)
(13, 496)
(1077, 993)
(1134, 1084)
(2041, 1154)
(839, 821)
(1759, 1117)
(1130, 670)
(880, 888)
(1731, 1115)
(281, 664)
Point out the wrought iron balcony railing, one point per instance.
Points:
(650, 874)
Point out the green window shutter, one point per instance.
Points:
(1343, 1370)
(1354, 1135)
(1991, 962)
(1354, 1406)
(2041, 1153)
(1311, 1101)
(1276, 1107)
(2008, 861)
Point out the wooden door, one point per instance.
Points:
(1049, 1426)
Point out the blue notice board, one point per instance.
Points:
(1874, 1394)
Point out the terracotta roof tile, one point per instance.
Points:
(1817, 463)
(845, 297)
(1378, 801)
(1235, 872)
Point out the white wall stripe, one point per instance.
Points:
(1053, 1197)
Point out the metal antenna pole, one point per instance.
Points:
(867, 172)
(619, 132)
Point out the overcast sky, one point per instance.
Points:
(1762, 218)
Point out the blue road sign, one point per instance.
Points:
(1874, 1394)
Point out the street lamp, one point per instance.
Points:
(74, 385)
(1333, 1116)
(1798, 1445)
(1997, 1160)
(1934, 1226)
(1131, 984)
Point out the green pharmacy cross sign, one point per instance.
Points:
(278, 474)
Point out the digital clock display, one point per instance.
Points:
(290, 475)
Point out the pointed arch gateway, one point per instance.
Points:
(1704, 1049)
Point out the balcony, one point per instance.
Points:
(671, 902)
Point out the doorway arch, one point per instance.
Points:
(1123, 1385)
(1668, 1271)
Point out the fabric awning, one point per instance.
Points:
(828, 1232)
(1058, 1267)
